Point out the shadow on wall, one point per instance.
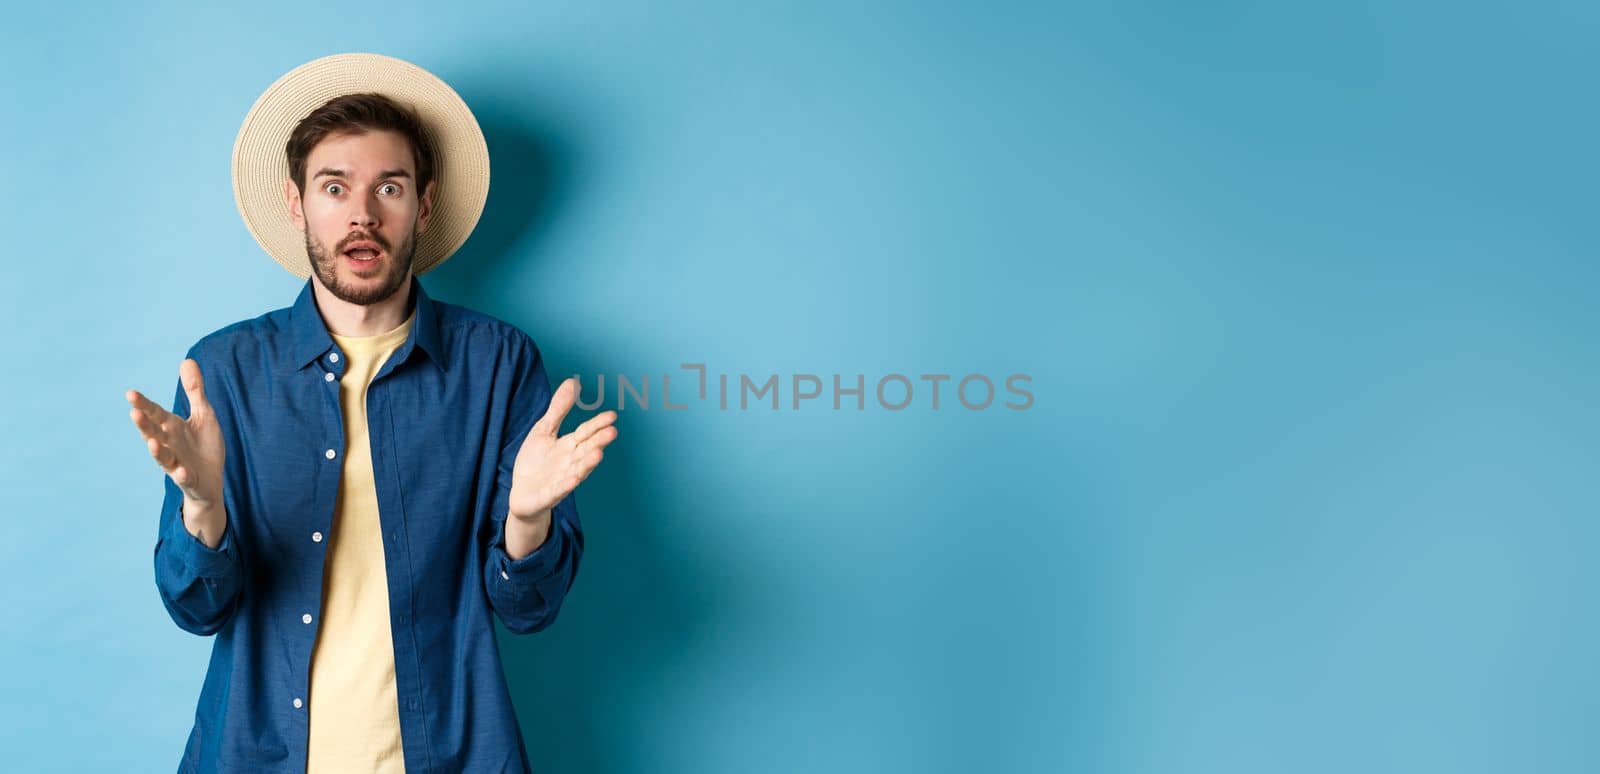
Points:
(640, 603)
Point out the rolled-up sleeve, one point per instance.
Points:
(527, 593)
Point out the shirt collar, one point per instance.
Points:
(310, 340)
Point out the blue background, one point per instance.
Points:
(1308, 296)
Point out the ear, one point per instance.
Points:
(425, 206)
(291, 196)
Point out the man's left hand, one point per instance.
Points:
(547, 468)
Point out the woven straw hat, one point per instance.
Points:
(261, 162)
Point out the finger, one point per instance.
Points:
(560, 403)
(148, 426)
(594, 424)
(151, 409)
(582, 463)
(162, 454)
(599, 440)
(587, 464)
(194, 386)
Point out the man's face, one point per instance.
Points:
(361, 193)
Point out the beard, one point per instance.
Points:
(395, 268)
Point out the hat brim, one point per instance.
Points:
(261, 164)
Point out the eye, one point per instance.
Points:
(390, 185)
(329, 188)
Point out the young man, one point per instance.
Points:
(356, 484)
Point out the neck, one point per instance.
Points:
(346, 319)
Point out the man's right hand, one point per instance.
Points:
(189, 450)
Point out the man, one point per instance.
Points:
(356, 484)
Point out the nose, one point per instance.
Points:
(362, 212)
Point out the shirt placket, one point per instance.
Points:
(331, 368)
(397, 567)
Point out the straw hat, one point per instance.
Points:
(261, 163)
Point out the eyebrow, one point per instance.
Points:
(327, 172)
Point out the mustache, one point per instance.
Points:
(373, 238)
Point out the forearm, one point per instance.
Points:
(527, 576)
(197, 565)
(524, 536)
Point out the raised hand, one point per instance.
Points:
(189, 450)
(548, 467)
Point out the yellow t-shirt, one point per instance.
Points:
(354, 711)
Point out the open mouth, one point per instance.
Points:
(363, 255)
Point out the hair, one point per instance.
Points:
(359, 114)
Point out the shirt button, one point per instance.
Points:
(327, 377)
(316, 537)
(333, 357)
(305, 618)
(504, 575)
(297, 703)
(329, 454)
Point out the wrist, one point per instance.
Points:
(524, 535)
(205, 522)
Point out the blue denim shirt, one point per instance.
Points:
(446, 414)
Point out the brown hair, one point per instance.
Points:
(358, 114)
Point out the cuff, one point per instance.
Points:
(538, 564)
